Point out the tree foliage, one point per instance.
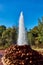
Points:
(8, 36)
(36, 35)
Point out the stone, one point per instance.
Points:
(22, 55)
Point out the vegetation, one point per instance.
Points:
(35, 35)
(9, 35)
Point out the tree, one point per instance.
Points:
(2, 28)
(10, 35)
(13, 35)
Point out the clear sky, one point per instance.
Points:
(10, 11)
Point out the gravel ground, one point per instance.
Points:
(2, 53)
(22, 55)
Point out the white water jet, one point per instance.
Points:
(22, 36)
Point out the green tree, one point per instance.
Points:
(2, 28)
(13, 35)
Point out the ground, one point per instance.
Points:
(2, 53)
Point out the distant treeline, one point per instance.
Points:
(35, 35)
(9, 35)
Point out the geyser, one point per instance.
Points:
(21, 55)
(22, 37)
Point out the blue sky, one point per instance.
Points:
(10, 11)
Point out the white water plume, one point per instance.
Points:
(22, 36)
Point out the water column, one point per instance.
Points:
(22, 36)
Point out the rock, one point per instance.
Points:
(22, 55)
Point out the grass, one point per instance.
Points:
(37, 48)
(3, 47)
